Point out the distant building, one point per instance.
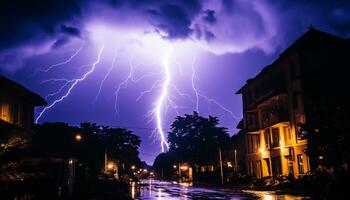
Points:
(16, 114)
(282, 97)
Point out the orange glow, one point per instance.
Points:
(184, 167)
(110, 166)
(78, 137)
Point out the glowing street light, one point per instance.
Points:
(78, 137)
(184, 167)
(110, 166)
(174, 166)
(133, 167)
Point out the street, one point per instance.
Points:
(153, 189)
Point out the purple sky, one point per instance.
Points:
(223, 42)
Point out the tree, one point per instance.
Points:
(196, 139)
(121, 145)
(58, 140)
(163, 165)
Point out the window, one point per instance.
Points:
(275, 137)
(300, 164)
(267, 138)
(287, 136)
(257, 140)
(290, 167)
(276, 166)
(268, 166)
(5, 112)
(248, 143)
(253, 143)
(18, 117)
(210, 168)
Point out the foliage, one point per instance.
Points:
(196, 139)
(328, 137)
(58, 140)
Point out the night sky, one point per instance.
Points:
(120, 62)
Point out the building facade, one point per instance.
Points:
(16, 114)
(277, 101)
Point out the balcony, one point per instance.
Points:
(270, 118)
(274, 110)
(270, 94)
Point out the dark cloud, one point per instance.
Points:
(72, 31)
(173, 20)
(60, 42)
(241, 24)
(209, 35)
(34, 21)
(210, 16)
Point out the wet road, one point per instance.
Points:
(157, 190)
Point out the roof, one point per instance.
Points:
(12, 88)
(309, 39)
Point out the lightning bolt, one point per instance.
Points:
(72, 86)
(193, 85)
(131, 78)
(106, 75)
(198, 95)
(61, 63)
(166, 99)
(123, 85)
(161, 100)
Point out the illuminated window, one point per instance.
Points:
(5, 112)
(300, 164)
(290, 167)
(267, 138)
(287, 135)
(275, 137)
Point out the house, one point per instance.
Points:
(16, 114)
(282, 97)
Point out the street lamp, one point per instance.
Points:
(174, 166)
(133, 167)
(78, 137)
(110, 166)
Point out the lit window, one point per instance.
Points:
(5, 112)
(300, 164)
(275, 137)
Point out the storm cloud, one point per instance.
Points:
(226, 26)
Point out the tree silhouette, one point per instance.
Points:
(196, 139)
(122, 145)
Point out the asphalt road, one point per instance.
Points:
(157, 190)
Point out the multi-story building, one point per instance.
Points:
(278, 100)
(16, 112)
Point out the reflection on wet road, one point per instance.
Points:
(157, 190)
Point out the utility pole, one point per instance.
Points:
(235, 166)
(105, 160)
(179, 172)
(221, 170)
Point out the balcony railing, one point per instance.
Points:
(270, 118)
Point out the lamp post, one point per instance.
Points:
(221, 170)
(235, 166)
